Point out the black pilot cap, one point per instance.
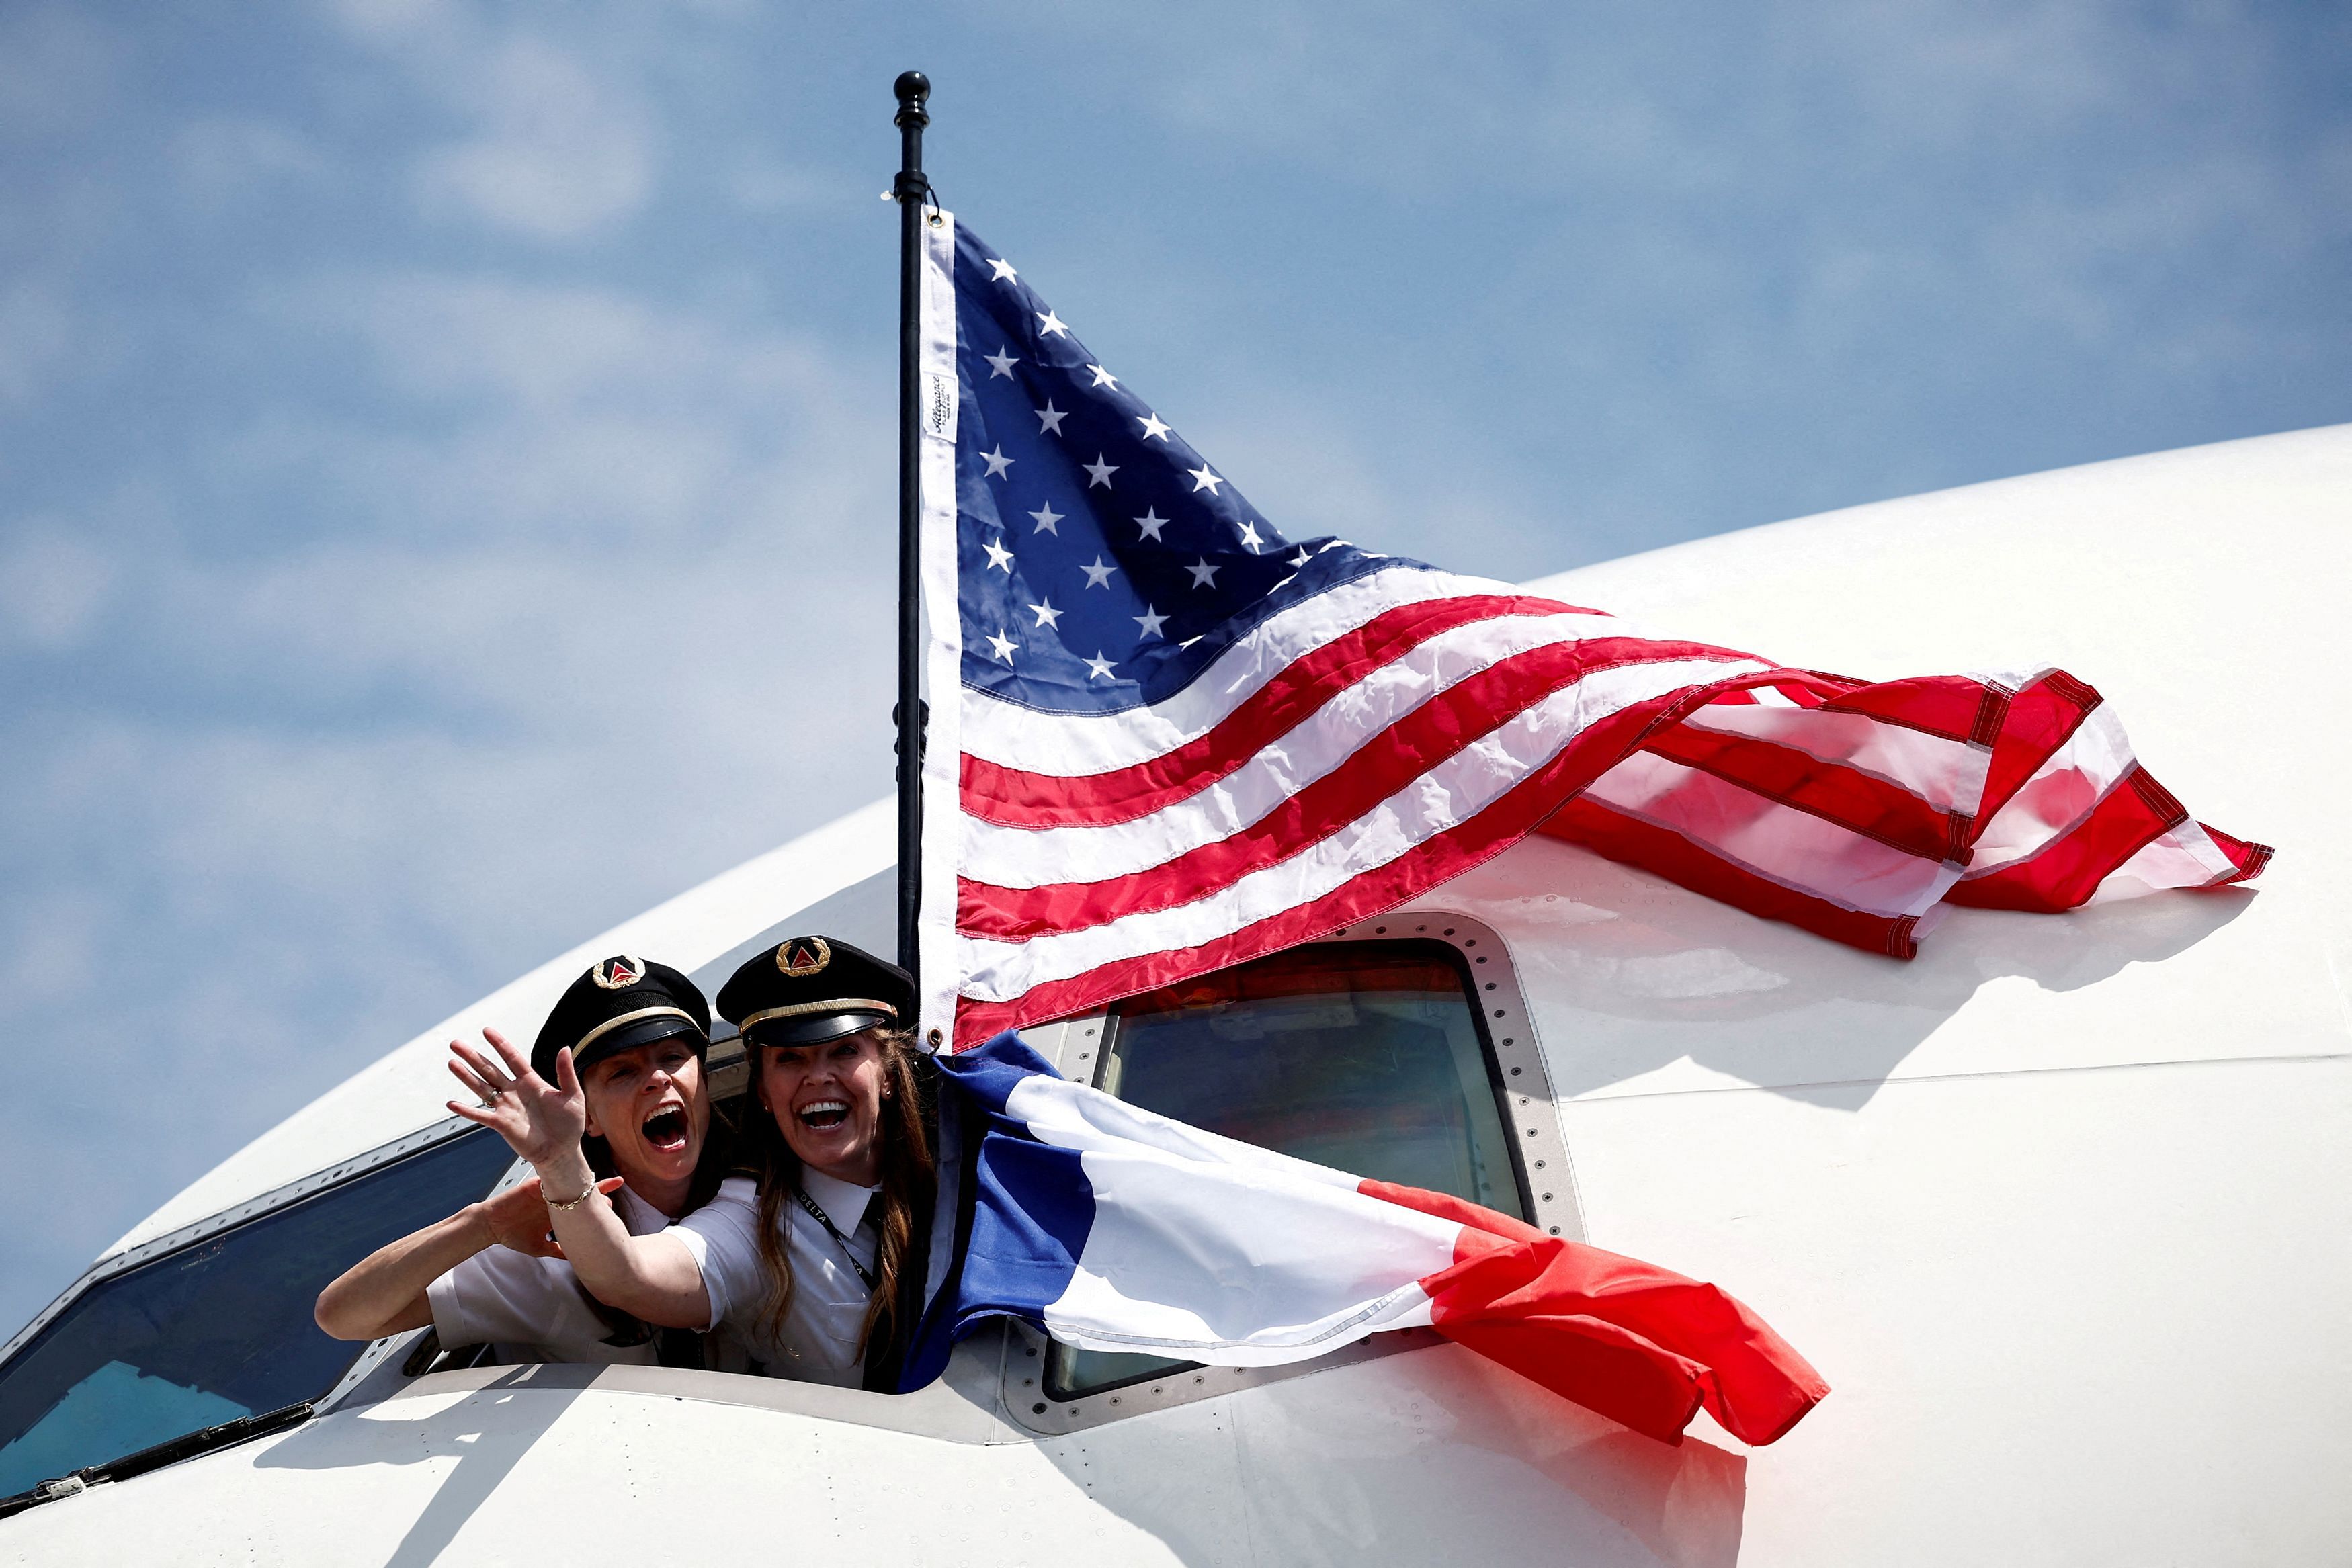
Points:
(809, 989)
(620, 1002)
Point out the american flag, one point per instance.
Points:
(1183, 740)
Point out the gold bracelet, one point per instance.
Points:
(570, 1204)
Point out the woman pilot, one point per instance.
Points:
(813, 1254)
(636, 1033)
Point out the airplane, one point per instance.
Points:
(2061, 1208)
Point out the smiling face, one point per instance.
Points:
(648, 1105)
(827, 1101)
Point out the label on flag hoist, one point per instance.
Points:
(939, 406)
(1165, 738)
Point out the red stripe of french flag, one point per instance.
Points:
(1643, 1345)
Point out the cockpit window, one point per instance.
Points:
(1366, 1056)
(221, 1328)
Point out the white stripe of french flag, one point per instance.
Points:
(1114, 1229)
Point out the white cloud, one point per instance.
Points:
(302, 795)
(556, 144)
(36, 336)
(224, 157)
(560, 152)
(52, 587)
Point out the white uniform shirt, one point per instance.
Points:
(819, 1338)
(530, 1309)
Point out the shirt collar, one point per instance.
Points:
(843, 1202)
(638, 1217)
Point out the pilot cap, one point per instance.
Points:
(621, 1001)
(809, 989)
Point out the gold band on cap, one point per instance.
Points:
(831, 1005)
(611, 1024)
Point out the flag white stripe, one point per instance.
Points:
(1040, 857)
(1948, 775)
(1164, 1268)
(2186, 856)
(1793, 847)
(1012, 736)
(2064, 790)
(1443, 798)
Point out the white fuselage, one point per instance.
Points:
(2061, 1208)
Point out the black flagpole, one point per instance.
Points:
(912, 191)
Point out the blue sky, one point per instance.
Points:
(445, 452)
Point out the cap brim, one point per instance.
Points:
(814, 1028)
(636, 1032)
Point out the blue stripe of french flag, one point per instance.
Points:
(1114, 1229)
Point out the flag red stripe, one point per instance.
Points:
(2245, 857)
(1953, 707)
(1437, 729)
(1667, 854)
(1854, 799)
(1643, 1345)
(1435, 860)
(2033, 724)
(2134, 813)
(1015, 798)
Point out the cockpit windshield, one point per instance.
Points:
(221, 1328)
(1365, 1056)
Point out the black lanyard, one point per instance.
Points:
(838, 1239)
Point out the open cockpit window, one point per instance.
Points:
(1367, 1056)
(218, 1328)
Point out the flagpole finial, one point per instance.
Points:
(913, 89)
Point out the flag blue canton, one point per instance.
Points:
(1102, 562)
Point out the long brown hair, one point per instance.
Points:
(909, 1180)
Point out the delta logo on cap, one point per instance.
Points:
(804, 955)
(619, 973)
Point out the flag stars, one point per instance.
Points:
(1301, 559)
(1050, 325)
(1099, 471)
(1049, 418)
(1098, 574)
(1001, 365)
(999, 558)
(1150, 620)
(1048, 520)
(1098, 669)
(1048, 615)
(1003, 645)
(1000, 271)
(1205, 480)
(1152, 522)
(1154, 428)
(997, 462)
(1250, 536)
(1203, 574)
(1103, 378)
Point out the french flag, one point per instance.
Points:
(1114, 1228)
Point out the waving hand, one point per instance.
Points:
(539, 1119)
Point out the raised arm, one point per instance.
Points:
(653, 1276)
(383, 1293)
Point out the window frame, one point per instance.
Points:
(430, 1137)
(1525, 1098)
(366, 1359)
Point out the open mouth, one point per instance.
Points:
(822, 1114)
(665, 1129)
